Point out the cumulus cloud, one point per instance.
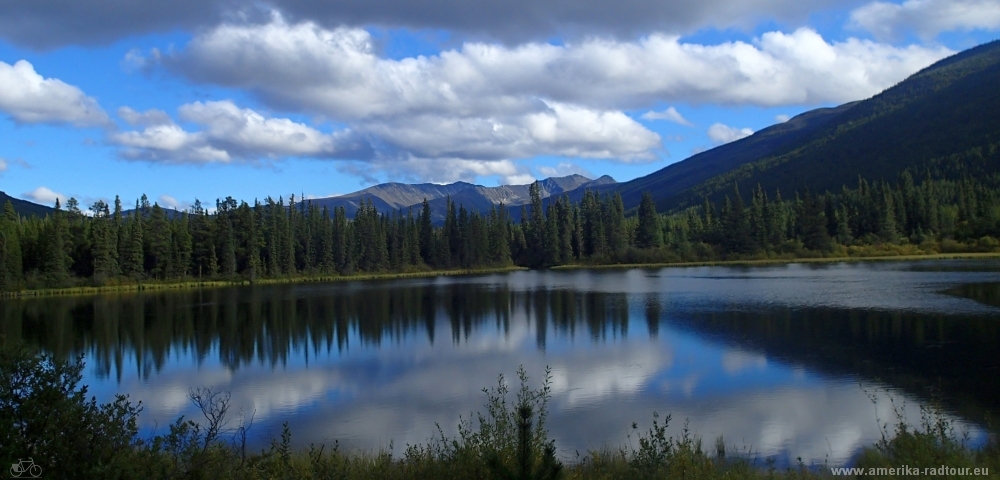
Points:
(53, 23)
(169, 202)
(438, 170)
(720, 133)
(555, 129)
(563, 169)
(338, 73)
(149, 118)
(486, 103)
(782, 118)
(670, 114)
(45, 196)
(229, 133)
(927, 18)
(29, 98)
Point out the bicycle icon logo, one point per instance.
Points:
(23, 467)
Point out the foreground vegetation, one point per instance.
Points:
(46, 416)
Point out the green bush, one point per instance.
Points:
(45, 416)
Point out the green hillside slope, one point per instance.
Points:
(24, 208)
(943, 119)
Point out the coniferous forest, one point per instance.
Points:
(278, 239)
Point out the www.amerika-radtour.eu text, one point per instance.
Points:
(915, 471)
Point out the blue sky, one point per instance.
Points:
(200, 99)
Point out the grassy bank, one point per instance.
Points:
(186, 285)
(788, 260)
(844, 255)
(45, 416)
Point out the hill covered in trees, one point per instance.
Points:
(25, 208)
(942, 122)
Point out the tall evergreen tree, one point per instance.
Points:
(134, 259)
(614, 224)
(648, 234)
(10, 249)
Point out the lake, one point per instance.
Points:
(793, 361)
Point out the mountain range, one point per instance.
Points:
(941, 120)
(401, 196)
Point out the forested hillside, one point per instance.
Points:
(25, 208)
(948, 110)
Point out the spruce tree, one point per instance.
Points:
(132, 263)
(648, 233)
(57, 260)
(10, 249)
(617, 238)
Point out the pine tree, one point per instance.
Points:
(536, 227)
(103, 243)
(426, 234)
(56, 265)
(159, 243)
(735, 225)
(10, 249)
(648, 234)
(132, 262)
(182, 247)
(811, 222)
(565, 222)
(617, 239)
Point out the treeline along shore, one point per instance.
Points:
(294, 240)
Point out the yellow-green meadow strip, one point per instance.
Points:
(785, 261)
(150, 286)
(868, 256)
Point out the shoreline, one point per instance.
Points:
(787, 261)
(190, 285)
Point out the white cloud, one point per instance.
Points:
(338, 73)
(670, 114)
(720, 133)
(782, 118)
(149, 118)
(439, 170)
(563, 169)
(927, 18)
(169, 144)
(45, 196)
(29, 98)
(169, 202)
(3, 165)
(490, 103)
(555, 129)
(246, 131)
(229, 133)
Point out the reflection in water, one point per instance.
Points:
(754, 354)
(267, 325)
(988, 293)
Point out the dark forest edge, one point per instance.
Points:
(177, 284)
(47, 418)
(298, 241)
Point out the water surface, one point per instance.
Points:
(792, 361)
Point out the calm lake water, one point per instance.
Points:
(784, 361)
